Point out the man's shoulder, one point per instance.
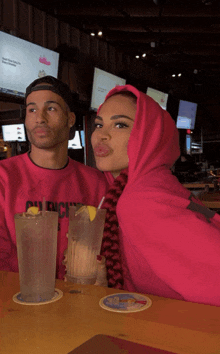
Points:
(12, 161)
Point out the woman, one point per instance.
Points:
(166, 244)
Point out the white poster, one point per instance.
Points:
(158, 96)
(103, 82)
(21, 62)
(13, 132)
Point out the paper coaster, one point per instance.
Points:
(57, 295)
(125, 302)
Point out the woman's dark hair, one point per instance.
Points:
(110, 244)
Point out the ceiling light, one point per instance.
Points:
(173, 75)
(137, 56)
(152, 44)
(195, 71)
(159, 2)
(179, 74)
(92, 34)
(144, 55)
(207, 2)
(100, 33)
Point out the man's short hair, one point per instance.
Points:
(54, 85)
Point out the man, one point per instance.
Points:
(46, 171)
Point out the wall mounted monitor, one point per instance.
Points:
(76, 142)
(188, 144)
(186, 115)
(21, 62)
(158, 96)
(82, 136)
(13, 132)
(103, 82)
(196, 148)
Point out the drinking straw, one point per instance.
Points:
(43, 206)
(100, 204)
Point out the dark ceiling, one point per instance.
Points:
(172, 36)
(175, 36)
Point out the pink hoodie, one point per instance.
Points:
(167, 249)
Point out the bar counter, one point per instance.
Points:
(59, 327)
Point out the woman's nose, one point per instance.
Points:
(104, 134)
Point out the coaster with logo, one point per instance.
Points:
(125, 302)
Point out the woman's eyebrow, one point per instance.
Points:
(120, 116)
(98, 117)
(117, 116)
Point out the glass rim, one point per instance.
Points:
(29, 216)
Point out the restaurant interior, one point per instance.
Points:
(167, 49)
(162, 48)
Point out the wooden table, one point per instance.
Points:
(59, 327)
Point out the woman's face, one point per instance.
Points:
(113, 127)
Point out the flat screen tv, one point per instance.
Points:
(21, 62)
(76, 142)
(186, 115)
(158, 96)
(188, 144)
(103, 82)
(13, 132)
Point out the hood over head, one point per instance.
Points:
(154, 140)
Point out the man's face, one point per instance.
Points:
(48, 119)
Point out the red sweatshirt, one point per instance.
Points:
(23, 184)
(167, 248)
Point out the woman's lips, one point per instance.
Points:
(102, 150)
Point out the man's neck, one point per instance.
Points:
(49, 158)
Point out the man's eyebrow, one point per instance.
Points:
(117, 116)
(45, 103)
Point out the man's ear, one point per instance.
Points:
(72, 119)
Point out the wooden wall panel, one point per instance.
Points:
(112, 59)
(24, 20)
(38, 27)
(63, 34)
(64, 72)
(73, 82)
(119, 62)
(74, 37)
(84, 43)
(103, 55)
(94, 49)
(52, 41)
(8, 15)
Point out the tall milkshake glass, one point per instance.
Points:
(36, 237)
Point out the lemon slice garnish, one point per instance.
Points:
(92, 212)
(33, 210)
(88, 208)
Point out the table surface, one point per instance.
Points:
(59, 327)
